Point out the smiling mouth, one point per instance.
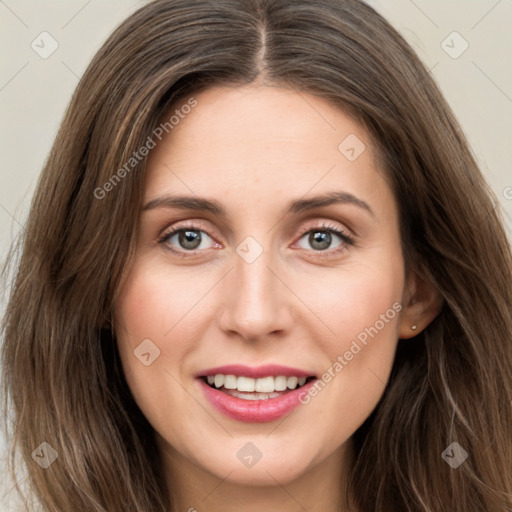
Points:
(263, 388)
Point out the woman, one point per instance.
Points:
(262, 271)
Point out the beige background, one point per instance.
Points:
(35, 91)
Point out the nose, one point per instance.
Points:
(256, 303)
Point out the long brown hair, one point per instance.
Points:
(452, 383)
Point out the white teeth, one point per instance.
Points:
(263, 385)
(292, 382)
(219, 380)
(252, 396)
(230, 382)
(280, 383)
(245, 384)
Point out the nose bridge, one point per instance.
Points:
(257, 305)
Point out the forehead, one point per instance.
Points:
(254, 144)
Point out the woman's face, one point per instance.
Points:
(257, 291)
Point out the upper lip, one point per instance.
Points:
(255, 372)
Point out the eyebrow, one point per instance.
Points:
(296, 206)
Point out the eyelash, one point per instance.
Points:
(347, 240)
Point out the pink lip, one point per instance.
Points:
(261, 371)
(254, 411)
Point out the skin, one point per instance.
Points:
(254, 149)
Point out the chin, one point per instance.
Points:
(259, 462)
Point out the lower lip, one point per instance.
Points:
(254, 411)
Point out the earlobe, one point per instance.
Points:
(423, 302)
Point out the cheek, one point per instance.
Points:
(143, 306)
(361, 306)
(152, 311)
(155, 303)
(356, 298)
(366, 305)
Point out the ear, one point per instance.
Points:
(422, 302)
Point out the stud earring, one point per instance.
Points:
(414, 327)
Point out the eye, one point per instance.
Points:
(320, 238)
(182, 239)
